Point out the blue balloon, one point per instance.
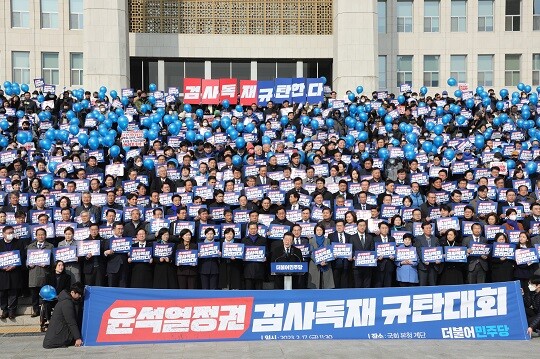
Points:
(451, 81)
(241, 142)
(439, 111)
(383, 153)
(114, 151)
(52, 166)
(41, 98)
(381, 111)
(429, 126)
(363, 136)
(437, 142)
(20, 114)
(237, 160)
(359, 90)
(388, 127)
(423, 90)
(349, 140)
(199, 113)
(521, 86)
(207, 135)
(93, 143)
(438, 129)
(351, 97)
(330, 122)
(479, 142)
(510, 164)
(458, 93)
(239, 108)
(503, 93)
(265, 140)
(284, 120)
(323, 80)
(74, 130)
(314, 124)
(148, 164)
(83, 139)
(411, 138)
(225, 104)
(427, 146)
(363, 117)
(45, 144)
(22, 137)
(410, 155)
(47, 181)
(3, 141)
(401, 99)
(460, 120)
(527, 88)
(499, 105)
(4, 125)
(249, 128)
(531, 167)
(469, 103)
(152, 87)
(449, 154)
(187, 108)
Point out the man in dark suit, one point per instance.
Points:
(477, 266)
(11, 277)
(389, 185)
(429, 205)
(427, 272)
(160, 180)
(254, 271)
(262, 179)
(94, 266)
(286, 252)
(117, 263)
(510, 202)
(131, 227)
(360, 201)
(298, 242)
(298, 188)
(384, 274)
(343, 191)
(13, 205)
(293, 205)
(534, 216)
(362, 241)
(341, 266)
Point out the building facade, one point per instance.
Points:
(378, 44)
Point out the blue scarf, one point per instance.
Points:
(319, 240)
(514, 224)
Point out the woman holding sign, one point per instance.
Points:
(452, 272)
(407, 274)
(230, 270)
(319, 275)
(502, 269)
(164, 270)
(142, 272)
(209, 267)
(186, 274)
(523, 272)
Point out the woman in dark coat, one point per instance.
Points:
(452, 273)
(142, 273)
(187, 275)
(209, 267)
(502, 269)
(524, 272)
(164, 270)
(60, 280)
(230, 270)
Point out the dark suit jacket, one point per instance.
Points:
(258, 181)
(254, 270)
(382, 264)
(340, 262)
(114, 261)
(279, 254)
(13, 279)
(502, 204)
(157, 183)
(369, 244)
(10, 208)
(130, 230)
(473, 261)
(420, 242)
(99, 261)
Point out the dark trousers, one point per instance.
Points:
(209, 281)
(119, 279)
(95, 278)
(34, 294)
(9, 300)
(362, 277)
(187, 282)
(427, 277)
(384, 278)
(256, 284)
(341, 277)
(477, 275)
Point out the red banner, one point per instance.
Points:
(192, 91)
(210, 92)
(248, 92)
(228, 90)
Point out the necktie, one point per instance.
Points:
(294, 207)
(39, 246)
(288, 252)
(341, 240)
(334, 179)
(297, 241)
(140, 245)
(364, 207)
(429, 242)
(384, 239)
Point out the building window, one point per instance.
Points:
(50, 69)
(458, 67)
(511, 69)
(536, 15)
(241, 70)
(266, 71)
(458, 16)
(382, 73)
(485, 70)
(404, 16)
(76, 68)
(76, 11)
(485, 15)
(404, 70)
(431, 16)
(174, 74)
(20, 62)
(20, 13)
(49, 14)
(513, 17)
(536, 70)
(381, 16)
(431, 70)
(220, 70)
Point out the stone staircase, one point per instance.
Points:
(23, 323)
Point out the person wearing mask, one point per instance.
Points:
(531, 299)
(524, 272)
(511, 223)
(60, 281)
(11, 277)
(164, 269)
(37, 274)
(64, 326)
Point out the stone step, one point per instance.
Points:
(21, 320)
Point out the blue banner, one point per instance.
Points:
(265, 92)
(315, 90)
(130, 316)
(298, 90)
(282, 90)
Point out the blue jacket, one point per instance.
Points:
(417, 199)
(407, 273)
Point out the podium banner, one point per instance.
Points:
(131, 316)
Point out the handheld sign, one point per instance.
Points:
(432, 254)
(526, 256)
(304, 248)
(406, 254)
(276, 231)
(503, 250)
(365, 259)
(479, 249)
(163, 250)
(455, 254)
(38, 257)
(65, 254)
(120, 245)
(342, 250)
(323, 254)
(10, 259)
(209, 250)
(232, 250)
(385, 250)
(87, 247)
(254, 254)
(141, 255)
(186, 257)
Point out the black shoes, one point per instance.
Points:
(12, 315)
(34, 314)
(4, 315)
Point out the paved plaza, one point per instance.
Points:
(30, 347)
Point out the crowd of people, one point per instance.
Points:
(410, 170)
